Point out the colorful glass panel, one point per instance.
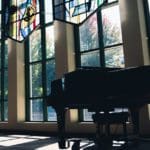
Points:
(75, 11)
(22, 17)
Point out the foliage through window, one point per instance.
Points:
(89, 34)
(22, 17)
(100, 41)
(40, 68)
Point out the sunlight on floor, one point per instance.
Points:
(51, 147)
(27, 142)
(13, 142)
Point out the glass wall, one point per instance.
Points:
(40, 67)
(101, 37)
(75, 11)
(3, 68)
(100, 41)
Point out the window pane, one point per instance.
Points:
(35, 46)
(51, 114)
(90, 59)
(36, 89)
(48, 11)
(50, 42)
(6, 53)
(50, 72)
(114, 57)
(5, 110)
(89, 34)
(56, 2)
(80, 9)
(36, 109)
(111, 26)
(149, 5)
(87, 115)
(6, 84)
(59, 12)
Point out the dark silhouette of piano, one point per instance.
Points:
(100, 89)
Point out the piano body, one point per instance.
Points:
(100, 89)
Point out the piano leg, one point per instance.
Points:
(61, 129)
(135, 120)
(136, 128)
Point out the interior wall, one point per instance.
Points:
(135, 43)
(64, 48)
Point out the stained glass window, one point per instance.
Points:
(75, 11)
(22, 17)
(81, 9)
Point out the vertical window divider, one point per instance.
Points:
(27, 79)
(2, 60)
(43, 49)
(78, 59)
(77, 46)
(100, 35)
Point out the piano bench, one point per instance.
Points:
(110, 118)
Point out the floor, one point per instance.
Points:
(30, 142)
(26, 142)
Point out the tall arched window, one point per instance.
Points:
(40, 66)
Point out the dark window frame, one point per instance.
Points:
(43, 62)
(3, 67)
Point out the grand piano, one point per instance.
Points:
(100, 89)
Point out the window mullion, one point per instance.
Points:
(100, 35)
(27, 79)
(43, 48)
(2, 61)
(77, 46)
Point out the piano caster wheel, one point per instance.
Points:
(76, 145)
(63, 144)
